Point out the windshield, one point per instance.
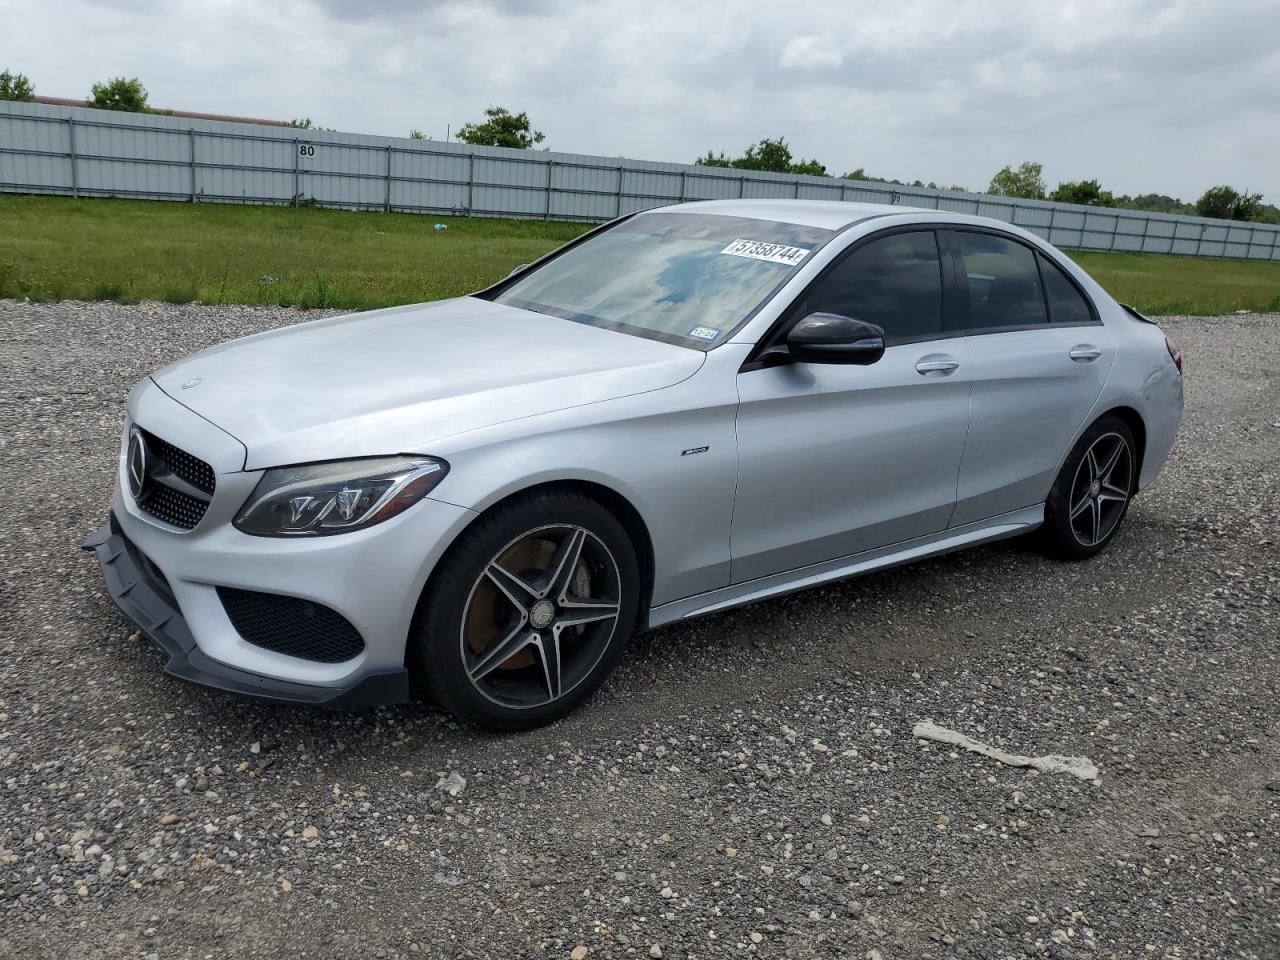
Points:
(685, 278)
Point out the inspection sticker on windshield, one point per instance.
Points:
(772, 252)
(704, 333)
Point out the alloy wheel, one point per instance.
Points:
(540, 616)
(1101, 489)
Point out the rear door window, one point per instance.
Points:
(1003, 281)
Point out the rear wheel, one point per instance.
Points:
(1091, 495)
(529, 612)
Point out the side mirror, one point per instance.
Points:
(831, 338)
(519, 268)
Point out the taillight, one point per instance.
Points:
(1174, 352)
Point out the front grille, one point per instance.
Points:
(291, 625)
(174, 507)
(191, 469)
(178, 486)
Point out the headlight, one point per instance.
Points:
(324, 498)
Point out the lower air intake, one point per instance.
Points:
(291, 625)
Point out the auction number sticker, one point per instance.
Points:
(772, 252)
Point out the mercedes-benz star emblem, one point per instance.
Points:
(136, 465)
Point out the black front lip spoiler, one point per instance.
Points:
(146, 600)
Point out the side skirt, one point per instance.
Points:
(945, 541)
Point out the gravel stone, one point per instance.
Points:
(136, 820)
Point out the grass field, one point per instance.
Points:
(58, 248)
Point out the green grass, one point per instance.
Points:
(1158, 284)
(58, 248)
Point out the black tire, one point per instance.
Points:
(465, 585)
(1084, 511)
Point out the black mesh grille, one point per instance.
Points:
(191, 469)
(169, 468)
(173, 507)
(290, 625)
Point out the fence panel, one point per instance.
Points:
(82, 152)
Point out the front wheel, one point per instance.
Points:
(1091, 495)
(529, 612)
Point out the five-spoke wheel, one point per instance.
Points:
(1091, 494)
(529, 610)
(1101, 489)
(540, 615)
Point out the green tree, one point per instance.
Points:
(417, 135)
(501, 128)
(810, 168)
(118, 93)
(1024, 182)
(714, 160)
(772, 156)
(304, 123)
(1227, 203)
(1155, 203)
(1086, 192)
(15, 86)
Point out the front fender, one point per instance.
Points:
(670, 453)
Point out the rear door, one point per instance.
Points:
(836, 459)
(1039, 356)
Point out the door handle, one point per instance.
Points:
(937, 365)
(1085, 353)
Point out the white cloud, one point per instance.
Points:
(811, 53)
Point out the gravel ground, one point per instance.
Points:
(746, 784)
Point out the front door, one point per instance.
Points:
(835, 459)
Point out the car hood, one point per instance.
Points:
(397, 380)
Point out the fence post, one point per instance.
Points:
(1146, 226)
(386, 201)
(1115, 229)
(617, 207)
(471, 181)
(683, 176)
(796, 195)
(550, 171)
(191, 140)
(71, 139)
(1053, 215)
(296, 147)
(742, 187)
(1199, 239)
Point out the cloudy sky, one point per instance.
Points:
(1166, 96)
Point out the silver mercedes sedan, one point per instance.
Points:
(684, 410)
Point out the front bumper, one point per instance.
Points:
(148, 601)
(168, 580)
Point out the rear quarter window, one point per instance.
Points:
(1066, 303)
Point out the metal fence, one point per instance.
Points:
(83, 152)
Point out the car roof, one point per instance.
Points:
(824, 214)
